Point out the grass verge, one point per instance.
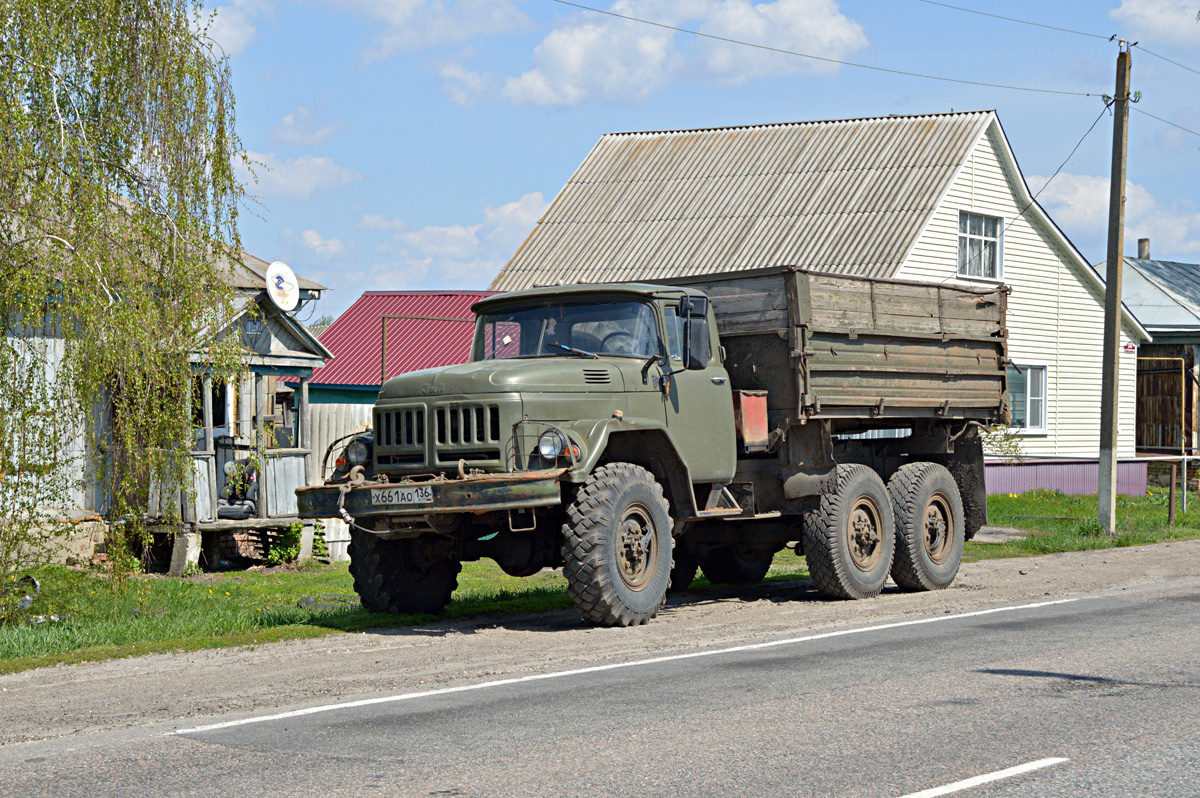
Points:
(80, 616)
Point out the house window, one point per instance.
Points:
(1027, 390)
(979, 251)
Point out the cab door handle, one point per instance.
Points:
(719, 380)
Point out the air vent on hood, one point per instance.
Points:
(596, 376)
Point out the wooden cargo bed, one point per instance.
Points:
(874, 351)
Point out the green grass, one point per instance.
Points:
(1140, 520)
(154, 614)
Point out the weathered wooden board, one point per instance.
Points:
(843, 344)
(283, 473)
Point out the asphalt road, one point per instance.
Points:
(1108, 682)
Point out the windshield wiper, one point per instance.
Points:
(579, 352)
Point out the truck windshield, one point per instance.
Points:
(624, 328)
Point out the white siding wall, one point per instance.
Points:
(1055, 314)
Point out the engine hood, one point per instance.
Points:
(551, 374)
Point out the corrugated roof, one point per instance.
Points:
(412, 344)
(1163, 294)
(847, 196)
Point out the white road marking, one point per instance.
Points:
(975, 781)
(610, 667)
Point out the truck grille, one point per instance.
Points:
(466, 425)
(430, 436)
(400, 428)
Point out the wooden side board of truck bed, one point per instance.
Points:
(870, 352)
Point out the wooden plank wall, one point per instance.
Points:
(283, 473)
(1164, 392)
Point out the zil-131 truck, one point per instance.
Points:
(632, 434)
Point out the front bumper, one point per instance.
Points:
(479, 494)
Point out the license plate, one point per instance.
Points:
(417, 494)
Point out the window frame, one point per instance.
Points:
(1025, 367)
(960, 237)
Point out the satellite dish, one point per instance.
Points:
(282, 286)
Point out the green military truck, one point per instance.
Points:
(632, 434)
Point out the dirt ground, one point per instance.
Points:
(184, 689)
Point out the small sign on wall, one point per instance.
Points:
(1129, 348)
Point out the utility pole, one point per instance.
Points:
(1106, 492)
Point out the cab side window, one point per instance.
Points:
(674, 333)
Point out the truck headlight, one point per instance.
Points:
(551, 444)
(357, 453)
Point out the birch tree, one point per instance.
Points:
(118, 212)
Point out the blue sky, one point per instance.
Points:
(410, 144)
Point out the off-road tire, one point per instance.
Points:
(929, 526)
(603, 577)
(394, 576)
(734, 564)
(850, 539)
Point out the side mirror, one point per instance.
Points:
(693, 306)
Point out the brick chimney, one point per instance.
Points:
(1144, 248)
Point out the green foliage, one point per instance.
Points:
(287, 547)
(319, 547)
(118, 211)
(1003, 442)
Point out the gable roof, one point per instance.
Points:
(249, 273)
(354, 338)
(1163, 294)
(847, 196)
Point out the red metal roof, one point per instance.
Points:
(411, 343)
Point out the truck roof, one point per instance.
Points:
(583, 289)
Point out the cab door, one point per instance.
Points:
(699, 405)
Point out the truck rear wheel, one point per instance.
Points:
(414, 575)
(735, 564)
(850, 538)
(617, 546)
(929, 526)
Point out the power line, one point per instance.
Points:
(1074, 149)
(1022, 21)
(1054, 27)
(1164, 121)
(1168, 60)
(820, 57)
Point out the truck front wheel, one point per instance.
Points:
(930, 526)
(413, 575)
(850, 538)
(617, 546)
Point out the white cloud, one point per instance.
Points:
(463, 85)
(459, 255)
(418, 24)
(619, 60)
(1169, 21)
(1079, 204)
(300, 128)
(233, 25)
(325, 247)
(297, 178)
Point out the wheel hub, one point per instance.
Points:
(636, 550)
(937, 528)
(864, 532)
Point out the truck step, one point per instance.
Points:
(720, 504)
